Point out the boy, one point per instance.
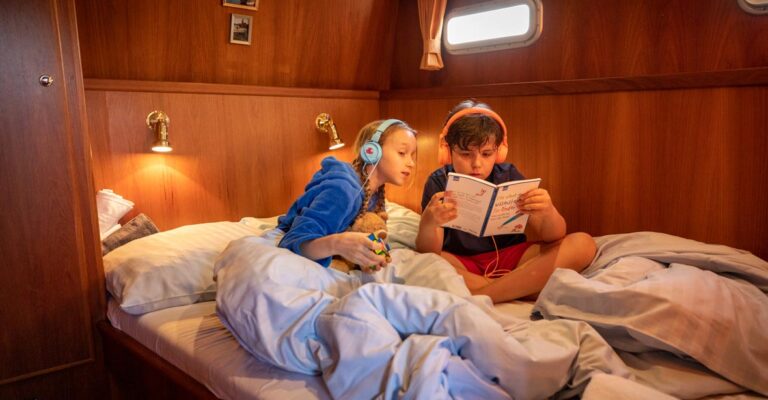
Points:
(507, 267)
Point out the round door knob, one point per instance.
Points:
(46, 80)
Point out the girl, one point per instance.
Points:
(507, 267)
(315, 225)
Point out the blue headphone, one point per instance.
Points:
(370, 151)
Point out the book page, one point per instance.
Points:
(505, 217)
(472, 198)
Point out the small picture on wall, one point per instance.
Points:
(240, 29)
(246, 4)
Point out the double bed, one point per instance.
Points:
(654, 316)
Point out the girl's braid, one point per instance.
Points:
(380, 203)
(359, 167)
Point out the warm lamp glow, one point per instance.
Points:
(158, 122)
(162, 149)
(325, 124)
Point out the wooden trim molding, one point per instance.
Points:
(738, 77)
(216, 88)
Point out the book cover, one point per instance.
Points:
(485, 209)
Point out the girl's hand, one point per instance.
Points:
(535, 202)
(440, 209)
(359, 249)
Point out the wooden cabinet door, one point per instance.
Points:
(46, 228)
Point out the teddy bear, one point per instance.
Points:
(369, 222)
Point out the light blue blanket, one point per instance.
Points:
(425, 339)
(648, 292)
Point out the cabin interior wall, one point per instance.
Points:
(681, 160)
(233, 155)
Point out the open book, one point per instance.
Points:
(486, 209)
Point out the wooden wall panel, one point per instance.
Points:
(234, 155)
(75, 382)
(343, 44)
(585, 39)
(686, 162)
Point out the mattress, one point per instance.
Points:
(193, 339)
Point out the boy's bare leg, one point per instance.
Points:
(575, 251)
(473, 281)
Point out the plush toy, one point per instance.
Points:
(376, 225)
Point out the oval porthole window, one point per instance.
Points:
(754, 6)
(492, 25)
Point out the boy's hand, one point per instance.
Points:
(545, 223)
(441, 209)
(535, 202)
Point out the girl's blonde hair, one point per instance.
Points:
(365, 134)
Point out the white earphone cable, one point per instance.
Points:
(495, 272)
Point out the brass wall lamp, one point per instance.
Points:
(158, 122)
(325, 124)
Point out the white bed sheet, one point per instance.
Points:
(193, 339)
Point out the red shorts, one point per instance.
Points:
(508, 259)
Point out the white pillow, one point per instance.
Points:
(402, 226)
(111, 207)
(263, 224)
(171, 268)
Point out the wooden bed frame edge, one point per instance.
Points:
(137, 372)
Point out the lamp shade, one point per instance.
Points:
(325, 124)
(158, 122)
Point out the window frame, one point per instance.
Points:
(757, 8)
(495, 44)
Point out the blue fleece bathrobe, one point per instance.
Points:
(330, 203)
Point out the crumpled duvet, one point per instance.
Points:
(409, 331)
(648, 293)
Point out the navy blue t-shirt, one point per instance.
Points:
(466, 244)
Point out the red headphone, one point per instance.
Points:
(444, 150)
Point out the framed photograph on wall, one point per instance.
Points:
(240, 29)
(246, 4)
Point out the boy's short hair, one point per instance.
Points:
(472, 130)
